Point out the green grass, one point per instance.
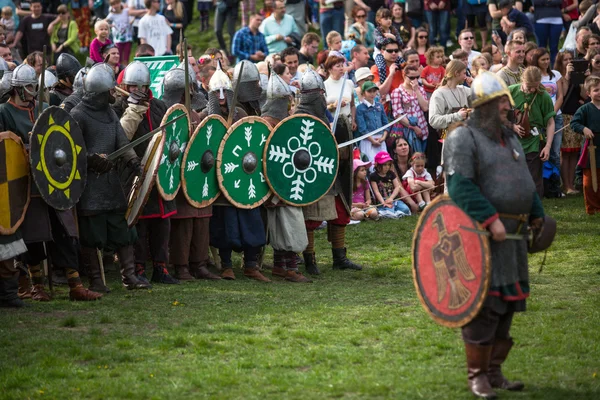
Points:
(352, 335)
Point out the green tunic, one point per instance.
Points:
(540, 112)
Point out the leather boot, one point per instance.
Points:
(38, 293)
(89, 261)
(310, 264)
(160, 274)
(79, 293)
(140, 273)
(340, 261)
(24, 291)
(228, 274)
(296, 276)
(183, 273)
(254, 273)
(278, 271)
(478, 361)
(9, 297)
(500, 351)
(127, 260)
(200, 271)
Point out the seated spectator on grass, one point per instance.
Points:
(277, 29)
(309, 47)
(386, 188)
(248, 43)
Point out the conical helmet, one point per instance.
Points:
(311, 80)
(219, 81)
(249, 74)
(50, 80)
(487, 87)
(277, 88)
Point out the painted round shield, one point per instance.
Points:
(199, 172)
(451, 263)
(14, 183)
(58, 158)
(142, 185)
(301, 160)
(168, 178)
(240, 164)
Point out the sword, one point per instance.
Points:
(42, 90)
(366, 135)
(510, 236)
(339, 105)
(147, 136)
(235, 96)
(592, 153)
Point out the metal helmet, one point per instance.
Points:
(219, 82)
(136, 74)
(78, 82)
(99, 79)
(277, 88)
(67, 66)
(50, 80)
(23, 75)
(191, 72)
(487, 87)
(311, 80)
(249, 74)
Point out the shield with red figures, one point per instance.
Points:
(451, 263)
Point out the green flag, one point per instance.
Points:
(158, 67)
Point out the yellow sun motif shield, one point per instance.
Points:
(58, 158)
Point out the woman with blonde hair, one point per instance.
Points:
(64, 34)
(448, 104)
(479, 63)
(535, 123)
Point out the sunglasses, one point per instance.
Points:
(468, 38)
(596, 60)
(392, 50)
(361, 16)
(412, 78)
(422, 37)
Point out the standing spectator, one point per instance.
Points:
(496, 15)
(83, 15)
(176, 15)
(373, 7)
(511, 73)
(34, 60)
(63, 33)
(204, 7)
(370, 116)
(570, 12)
(121, 29)
(514, 19)
(541, 118)
(289, 57)
(437, 13)
(154, 29)
(360, 58)
(296, 8)
(548, 24)
(248, 8)
(477, 11)
(384, 30)
(388, 76)
(110, 53)
(248, 43)
(433, 73)
(422, 45)
(410, 99)
(138, 9)
(414, 10)
(583, 32)
(34, 29)
(496, 64)
(333, 86)
(404, 25)
(331, 15)
(277, 29)
(308, 49)
(466, 40)
(9, 23)
(362, 29)
(101, 29)
(227, 11)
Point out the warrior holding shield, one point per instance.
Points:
(488, 179)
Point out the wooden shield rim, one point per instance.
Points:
(251, 120)
(191, 201)
(337, 166)
(82, 169)
(171, 109)
(486, 282)
(8, 135)
(158, 147)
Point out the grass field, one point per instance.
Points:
(347, 335)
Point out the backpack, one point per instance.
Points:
(551, 176)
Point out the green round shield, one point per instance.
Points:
(168, 178)
(199, 173)
(301, 160)
(240, 165)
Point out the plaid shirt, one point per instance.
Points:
(245, 44)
